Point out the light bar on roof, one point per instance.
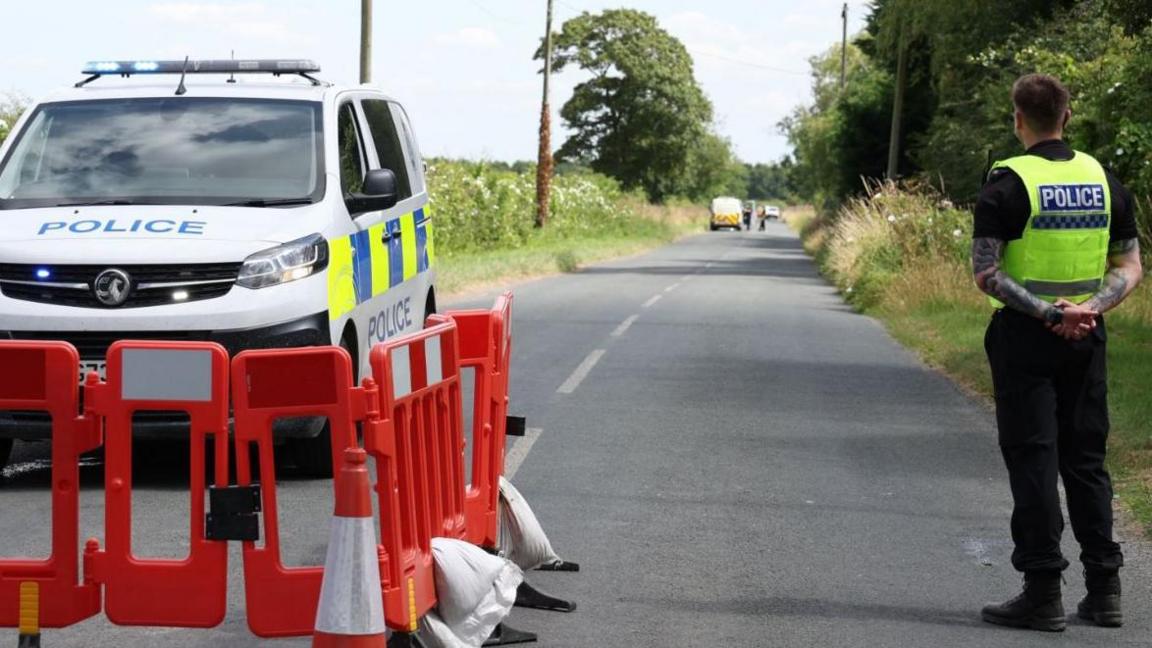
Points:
(222, 66)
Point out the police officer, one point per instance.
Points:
(1054, 247)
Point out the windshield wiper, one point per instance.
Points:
(91, 203)
(276, 202)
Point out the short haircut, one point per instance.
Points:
(1042, 100)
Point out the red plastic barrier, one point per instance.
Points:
(486, 347)
(266, 386)
(190, 377)
(418, 445)
(42, 376)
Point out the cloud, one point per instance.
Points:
(244, 19)
(478, 37)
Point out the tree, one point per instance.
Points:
(10, 110)
(713, 170)
(771, 181)
(641, 115)
(842, 136)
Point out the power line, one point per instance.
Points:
(503, 19)
(748, 63)
(570, 7)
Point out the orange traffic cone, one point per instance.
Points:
(351, 611)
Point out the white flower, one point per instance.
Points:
(849, 289)
(957, 233)
(891, 218)
(1119, 151)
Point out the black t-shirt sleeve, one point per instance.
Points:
(1123, 223)
(1003, 208)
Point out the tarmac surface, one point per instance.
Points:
(734, 457)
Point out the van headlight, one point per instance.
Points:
(288, 262)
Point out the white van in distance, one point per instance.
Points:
(243, 202)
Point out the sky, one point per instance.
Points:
(462, 68)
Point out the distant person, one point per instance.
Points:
(762, 215)
(1054, 247)
(747, 217)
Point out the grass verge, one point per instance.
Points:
(546, 253)
(930, 306)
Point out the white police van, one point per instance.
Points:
(259, 207)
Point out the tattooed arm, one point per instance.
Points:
(1124, 272)
(986, 253)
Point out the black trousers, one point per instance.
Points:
(1052, 413)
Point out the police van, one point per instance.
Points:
(242, 202)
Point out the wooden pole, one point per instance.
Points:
(365, 41)
(898, 110)
(844, 47)
(544, 155)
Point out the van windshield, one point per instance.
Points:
(198, 151)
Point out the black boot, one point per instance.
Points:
(1102, 604)
(1038, 607)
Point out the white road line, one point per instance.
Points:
(519, 451)
(624, 326)
(580, 373)
(651, 301)
(672, 287)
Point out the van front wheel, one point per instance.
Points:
(5, 452)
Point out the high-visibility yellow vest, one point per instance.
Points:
(1064, 249)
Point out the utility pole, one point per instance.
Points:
(844, 47)
(365, 41)
(898, 108)
(544, 157)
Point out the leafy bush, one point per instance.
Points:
(478, 206)
(877, 237)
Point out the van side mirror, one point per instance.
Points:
(379, 192)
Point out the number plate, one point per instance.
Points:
(99, 366)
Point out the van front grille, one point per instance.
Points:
(151, 285)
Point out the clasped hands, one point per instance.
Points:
(1078, 321)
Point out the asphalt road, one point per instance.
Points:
(734, 457)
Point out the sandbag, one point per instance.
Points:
(436, 634)
(475, 590)
(522, 540)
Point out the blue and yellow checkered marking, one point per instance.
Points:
(1079, 221)
(367, 263)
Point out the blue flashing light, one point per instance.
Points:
(145, 66)
(43, 273)
(102, 66)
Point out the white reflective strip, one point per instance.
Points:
(350, 599)
(401, 372)
(432, 367)
(166, 374)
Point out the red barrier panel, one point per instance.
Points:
(41, 376)
(418, 445)
(486, 347)
(190, 377)
(266, 386)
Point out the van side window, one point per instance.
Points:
(351, 151)
(415, 161)
(388, 149)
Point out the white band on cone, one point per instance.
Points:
(350, 599)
